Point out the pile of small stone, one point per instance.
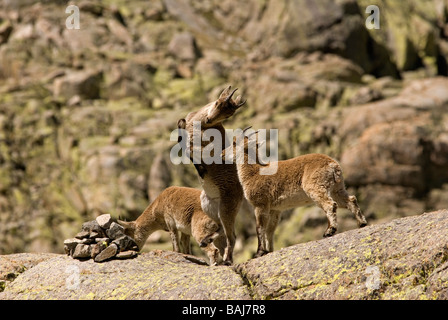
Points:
(101, 239)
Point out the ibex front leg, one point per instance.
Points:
(262, 220)
(175, 240)
(185, 243)
(227, 214)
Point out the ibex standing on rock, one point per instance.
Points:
(307, 179)
(177, 209)
(222, 195)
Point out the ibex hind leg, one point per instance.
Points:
(330, 210)
(354, 208)
(274, 217)
(344, 200)
(322, 199)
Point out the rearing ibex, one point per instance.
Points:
(222, 195)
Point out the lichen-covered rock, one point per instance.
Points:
(411, 26)
(107, 253)
(126, 254)
(82, 251)
(97, 248)
(86, 115)
(82, 235)
(83, 83)
(154, 275)
(92, 226)
(403, 259)
(396, 143)
(104, 221)
(183, 47)
(70, 245)
(14, 264)
(115, 231)
(125, 242)
(91, 243)
(406, 258)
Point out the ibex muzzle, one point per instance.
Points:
(224, 107)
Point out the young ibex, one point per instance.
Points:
(307, 179)
(222, 195)
(177, 209)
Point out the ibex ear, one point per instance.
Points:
(247, 128)
(181, 124)
(252, 133)
(260, 144)
(225, 93)
(224, 151)
(127, 225)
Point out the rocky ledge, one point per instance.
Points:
(402, 259)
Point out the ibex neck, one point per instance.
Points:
(148, 222)
(247, 170)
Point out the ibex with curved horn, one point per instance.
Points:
(223, 194)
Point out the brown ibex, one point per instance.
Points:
(222, 195)
(177, 209)
(306, 179)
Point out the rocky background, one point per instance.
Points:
(86, 115)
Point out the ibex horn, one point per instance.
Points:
(230, 95)
(240, 104)
(252, 134)
(245, 129)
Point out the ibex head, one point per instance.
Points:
(224, 107)
(243, 143)
(129, 227)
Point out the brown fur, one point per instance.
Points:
(177, 209)
(222, 189)
(307, 179)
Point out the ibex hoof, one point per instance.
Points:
(260, 253)
(363, 224)
(329, 232)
